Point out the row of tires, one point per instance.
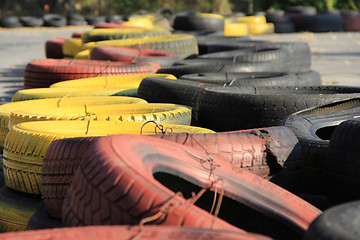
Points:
(130, 180)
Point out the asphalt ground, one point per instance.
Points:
(336, 56)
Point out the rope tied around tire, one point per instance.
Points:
(157, 126)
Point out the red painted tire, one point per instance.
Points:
(126, 54)
(112, 25)
(351, 21)
(115, 184)
(53, 48)
(131, 233)
(44, 72)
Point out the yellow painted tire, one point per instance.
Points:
(6, 109)
(41, 93)
(159, 112)
(259, 29)
(236, 29)
(211, 15)
(184, 45)
(120, 81)
(16, 209)
(71, 47)
(82, 55)
(102, 34)
(27, 143)
(143, 22)
(251, 20)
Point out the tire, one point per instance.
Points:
(44, 72)
(53, 48)
(313, 127)
(133, 195)
(184, 45)
(71, 47)
(207, 41)
(132, 232)
(311, 78)
(29, 21)
(191, 66)
(6, 109)
(279, 57)
(96, 35)
(75, 20)
(236, 108)
(244, 79)
(135, 112)
(341, 168)
(114, 19)
(164, 59)
(284, 27)
(154, 89)
(351, 21)
(16, 209)
(10, 22)
(338, 222)
(57, 165)
(122, 81)
(272, 153)
(41, 219)
(192, 21)
(54, 20)
(43, 93)
(28, 179)
(300, 63)
(325, 22)
(92, 20)
(306, 10)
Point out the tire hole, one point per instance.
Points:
(231, 211)
(325, 132)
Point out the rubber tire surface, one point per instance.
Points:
(41, 219)
(338, 222)
(236, 108)
(54, 20)
(53, 48)
(191, 21)
(25, 173)
(245, 79)
(44, 72)
(314, 127)
(133, 232)
(341, 171)
(135, 195)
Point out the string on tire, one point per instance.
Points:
(167, 130)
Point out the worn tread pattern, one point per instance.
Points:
(235, 108)
(60, 163)
(313, 127)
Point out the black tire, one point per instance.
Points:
(41, 219)
(214, 65)
(235, 108)
(300, 51)
(342, 170)
(10, 22)
(313, 127)
(339, 222)
(166, 12)
(92, 20)
(75, 20)
(302, 10)
(163, 90)
(54, 20)
(310, 78)
(325, 22)
(279, 57)
(205, 41)
(191, 21)
(114, 18)
(31, 21)
(284, 27)
(244, 79)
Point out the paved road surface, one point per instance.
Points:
(335, 55)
